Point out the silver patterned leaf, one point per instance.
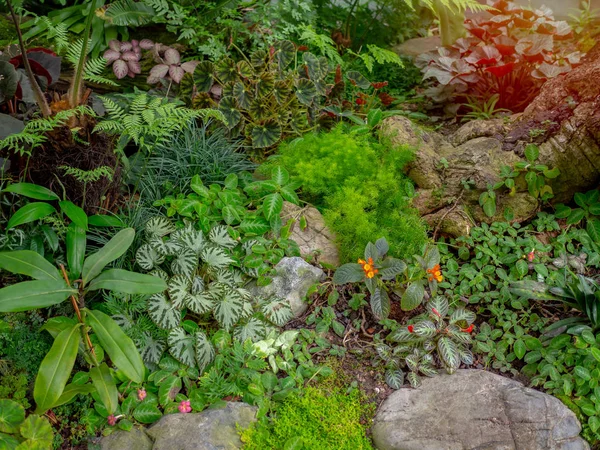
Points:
(229, 309)
(152, 349)
(199, 303)
(163, 312)
(185, 263)
(193, 239)
(244, 293)
(197, 285)
(247, 245)
(225, 276)
(394, 378)
(254, 329)
(205, 352)
(149, 257)
(181, 346)
(277, 311)
(178, 289)
(220, 236)
(248, 310)
(215, 257)
(158, 227)
(160, 274)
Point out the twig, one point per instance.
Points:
(448, 211)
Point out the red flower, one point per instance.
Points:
(435, 311)
(501, 71)
(468, 330)
(112, 420)
(302, 48)
(411, 329)
(361, 101)
(386, 99)
(531, 255)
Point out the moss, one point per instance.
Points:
(320, 418)
(360, 186)
(8, 32)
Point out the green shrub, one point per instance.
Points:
(360, 185)
(323, 417)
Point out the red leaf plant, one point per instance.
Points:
(510, 51)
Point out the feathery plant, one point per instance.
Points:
(88, 176)
(148, 121)
(92, 68)
(194, 151)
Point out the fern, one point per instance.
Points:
(324, 43)
(58, 33)
(88, 176)
(129, 13)
(93, 66)
(34, 133)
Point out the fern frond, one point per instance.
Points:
(383, 56)
(324, 43)
(129, 13)
(112, 108)
(58, 33)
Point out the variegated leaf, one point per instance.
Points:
(205, 352)
(391, 267)
(199, 303)
(219, 236)
(185, 263)
(148, 258)
(178, 289)
(215, 257)
(438, 307)
(384, 351)
(247, 310)
(401, 335)
(413, 379)
(412, 361)
(160, 274)
(181, 346)
(162, 312)
(448, 353)
(427, 370)
(254, 329)
(425, 328)
(394, 378)
(457, 334)
(277, 311)
(197, 285)
(229, 309)
(158, 227)
(380, 303)
(225, 276)
(152, 349)
(193, 239)
(244, 293)
(465, 355)
(462, 317)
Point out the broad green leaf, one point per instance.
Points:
(33, 295)
(76, 244)
(27, 262)
(120, 280)
(113, 249)
(228, 106)
(394, 378)
(32, 191)
(255, 226)
(266, 134)
(532, 152)
(147, 413)
(37, 432)
(306, 91)
(280, 175)
(391, 267)
(121, 349)
(374, 117)
(168, 389)
(55, 369)
(358, 79)
(582, 373)
(380, 304)
(272, 205)
(575, 216)
(11, 416)
(412, 297)
(71, 390)
(593, 229)
(75, 213)
(448, 352)
(520, 348)
(29, 213)
(105, 386)
(56, 325)
(349, 273)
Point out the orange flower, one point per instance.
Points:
(368, 267)
(435, 274)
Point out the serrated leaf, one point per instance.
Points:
(178, 290)
(219, 236)
(272, 205)
(215, 257)
(266, 134)
(163, 312)
(147, 413)
(229, 309)
(158, 227)
(391, 267)
(181, 346)
(185, 263)
(277, 311)
(349, 273)
(205, 352)
(148, 257)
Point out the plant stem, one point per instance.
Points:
(35, 87)
(84, 334)
(76, 87)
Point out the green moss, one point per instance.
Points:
(361, 188)
(320, 418)
(7, 30)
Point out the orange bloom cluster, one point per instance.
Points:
(368, 267)
(435, 274)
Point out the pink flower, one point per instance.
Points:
(185, 407)
(142, 394)
(112, 420)
(531, 255)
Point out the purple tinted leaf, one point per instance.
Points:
(546, 70)
(111, 55)
(157, 72)
(134, 67)
(49, 62)
(172, 56)
(129, 56)
(120, 68)
(135, 43)
(534, 44)
(146, 44)
(115, 45)
(176, 73)
(190, 66)
(126, 46)
(484, 55)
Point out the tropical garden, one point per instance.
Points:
(291, 205)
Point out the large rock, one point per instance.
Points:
(136, 439)
(316, 241)
(475, 410)
(212, 429)
(294, 277)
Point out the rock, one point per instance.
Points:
(475, 410)
(212, 429)
(136, 439)
(316, 240)
(294, 277)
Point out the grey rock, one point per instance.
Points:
(212, 429)
(316, 241)
(294, 277)
(136, 439)
(475, 410)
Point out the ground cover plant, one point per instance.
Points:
(150, 152)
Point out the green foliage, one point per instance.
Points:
(484, 110)
(320, 417)
(19, 431)
(361, 186)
